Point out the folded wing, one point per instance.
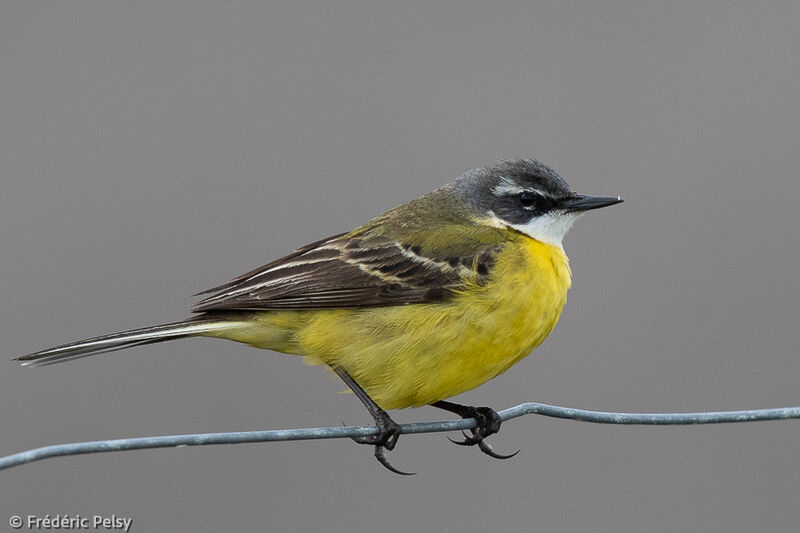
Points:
(351, 272)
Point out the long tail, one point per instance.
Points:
(125, 339)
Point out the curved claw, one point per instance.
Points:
(486, 448)
(464, 442)
(380, 455)
(469, 440)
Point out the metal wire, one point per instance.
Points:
(339, 432)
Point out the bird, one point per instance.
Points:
(421, 303)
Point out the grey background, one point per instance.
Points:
(148, 152)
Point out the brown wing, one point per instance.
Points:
(342, 272)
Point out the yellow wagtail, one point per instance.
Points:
(423, 302)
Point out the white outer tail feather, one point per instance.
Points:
(125, 339)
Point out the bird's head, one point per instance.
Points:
(527, 196)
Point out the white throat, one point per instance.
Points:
(549, 228)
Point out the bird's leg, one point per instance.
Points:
(488, 423)
(389, 430)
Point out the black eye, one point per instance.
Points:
(527, 199)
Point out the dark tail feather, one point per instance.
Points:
(125, 339)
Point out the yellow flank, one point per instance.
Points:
(413, 355)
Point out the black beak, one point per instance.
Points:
(584, 202)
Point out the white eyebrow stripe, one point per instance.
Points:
(506, 186)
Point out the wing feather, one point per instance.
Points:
(350, 272)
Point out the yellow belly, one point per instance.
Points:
(408, 356)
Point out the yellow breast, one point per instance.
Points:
(415, 355)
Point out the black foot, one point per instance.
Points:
(385, 439)
(388, 429)
(488, 424)
(388, 432)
